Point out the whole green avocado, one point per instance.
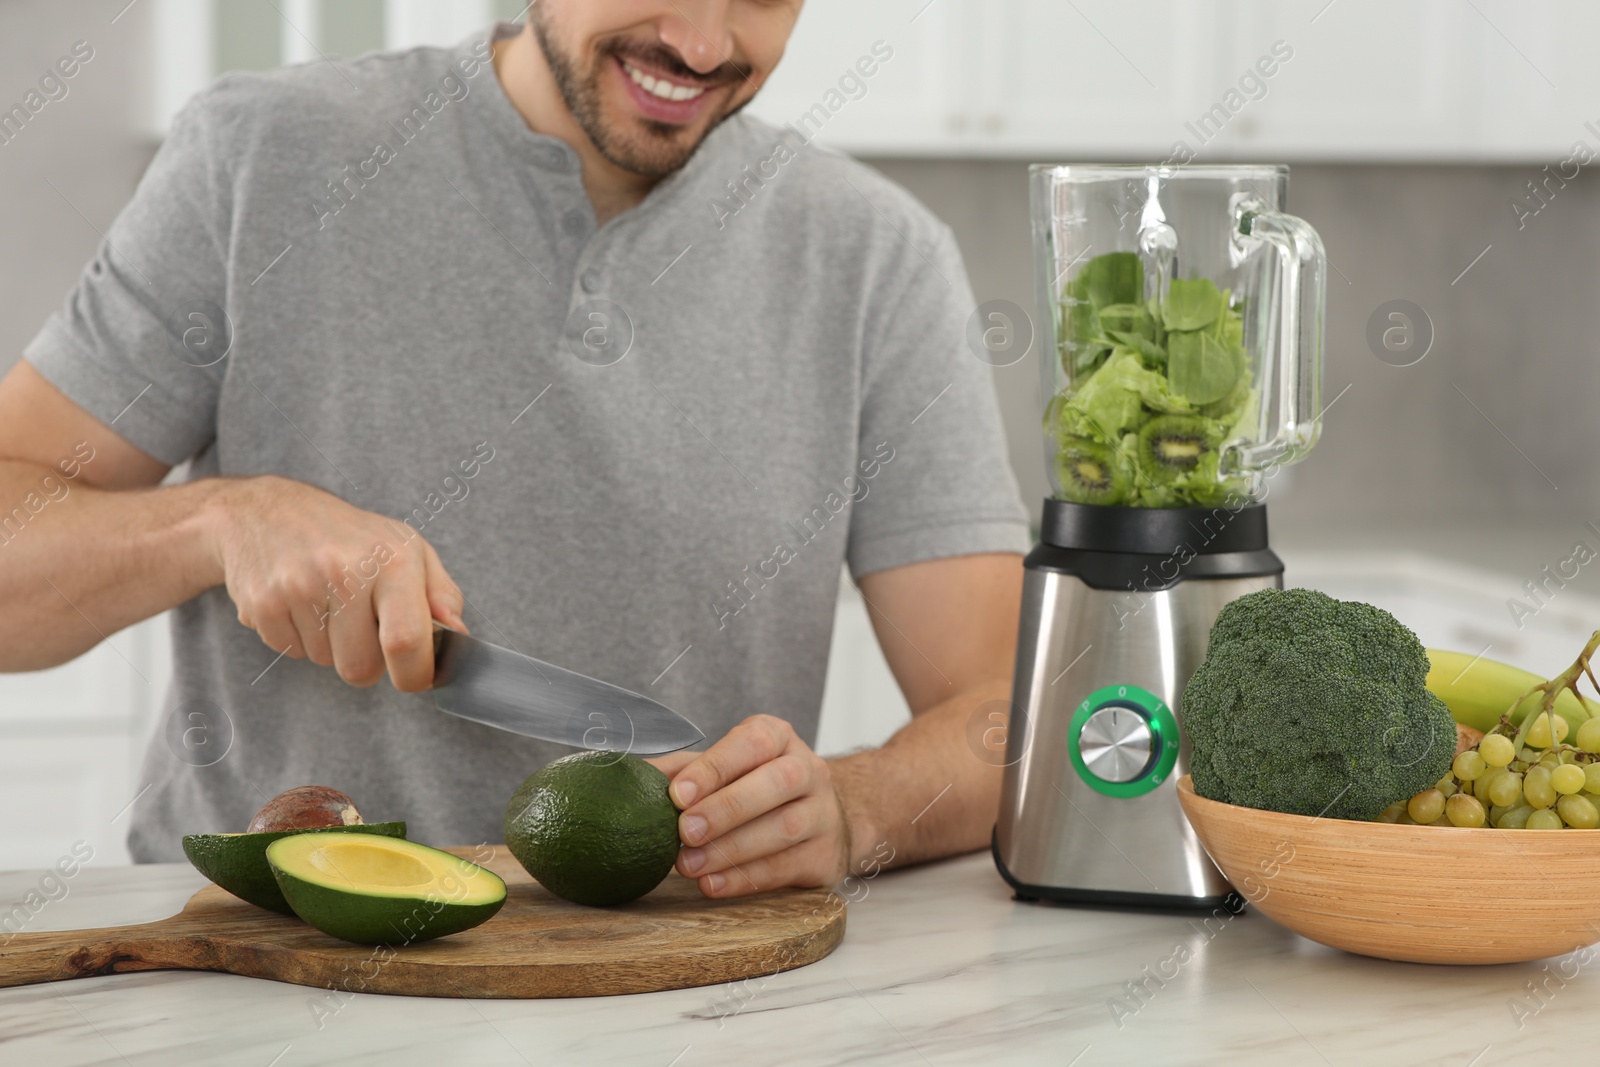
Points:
(595, 828)
(1313, 706)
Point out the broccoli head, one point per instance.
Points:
(1314, 706)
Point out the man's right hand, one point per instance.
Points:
(323, 580)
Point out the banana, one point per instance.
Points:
(1478, 691)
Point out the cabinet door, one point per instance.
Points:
(901, 107)
(862, 704)
(1541, 83)
(72, 739)
(1107, 79)
(61, 789)
(1368, 79)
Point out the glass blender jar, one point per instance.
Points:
(1183, 300)
(1187, 313)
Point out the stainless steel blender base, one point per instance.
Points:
(1095, 714)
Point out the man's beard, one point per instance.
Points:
(662, 147)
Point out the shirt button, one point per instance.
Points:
(552, 157)
(590, 280)
(574, 222)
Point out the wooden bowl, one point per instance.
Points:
(1426, 894)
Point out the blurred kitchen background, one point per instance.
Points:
(1441, 147)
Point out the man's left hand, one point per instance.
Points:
(758, 811)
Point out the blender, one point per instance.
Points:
(1187, 315)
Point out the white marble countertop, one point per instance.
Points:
(939, 966)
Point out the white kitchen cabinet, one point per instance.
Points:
(861, 702)
(1112, 78)
(1536, 78)
(1371, 78)
(61, 787)
(1425, 80)
(71, 742)
(908, 102)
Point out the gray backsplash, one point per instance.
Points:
(1404, 448)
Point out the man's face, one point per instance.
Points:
(647, 80)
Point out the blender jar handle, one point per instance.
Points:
(1302, 274)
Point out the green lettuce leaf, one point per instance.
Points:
(1130, 319)
(1152, 354)
(1201, 368)
(1114, 278)
(1192, 304)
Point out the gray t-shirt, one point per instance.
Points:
(643, 450)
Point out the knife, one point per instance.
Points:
(498, 687)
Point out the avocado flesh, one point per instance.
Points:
(382, 890)
(238, 862)
(595, 828)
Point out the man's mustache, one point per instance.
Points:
(664, 58)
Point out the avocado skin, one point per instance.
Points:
(381, 920)
(238, 862)
(595, 828)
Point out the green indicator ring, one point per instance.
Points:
(1163, 730)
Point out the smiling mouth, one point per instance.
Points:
(662, 88)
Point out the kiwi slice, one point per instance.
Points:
(1090, 472)
(1172, 445)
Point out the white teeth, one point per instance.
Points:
(660, 87)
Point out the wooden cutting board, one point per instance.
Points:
(536, 946)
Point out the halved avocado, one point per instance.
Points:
(238, 862)
(382, 891)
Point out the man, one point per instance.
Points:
(463, 335)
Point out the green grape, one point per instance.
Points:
(1506, 789)
(1539, 732)
(1527, 755)
(1464, 810)
(1537, 788)
(1497, 812)
(1392, 813)
(1448, 788)
(1515, 818)
(1497, 749)
(1482, 785)
(1578, 813)
(1427, 806)
(1591, 774)
(1568, 778)
(1469, 765)
(1562, 727)
(1543, 819)
(1589, 736)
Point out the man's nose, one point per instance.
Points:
(698, 31)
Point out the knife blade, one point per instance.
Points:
(509, 690)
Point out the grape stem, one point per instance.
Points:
(1549, 691)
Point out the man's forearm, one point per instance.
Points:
(930, 791)
(78, 563)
